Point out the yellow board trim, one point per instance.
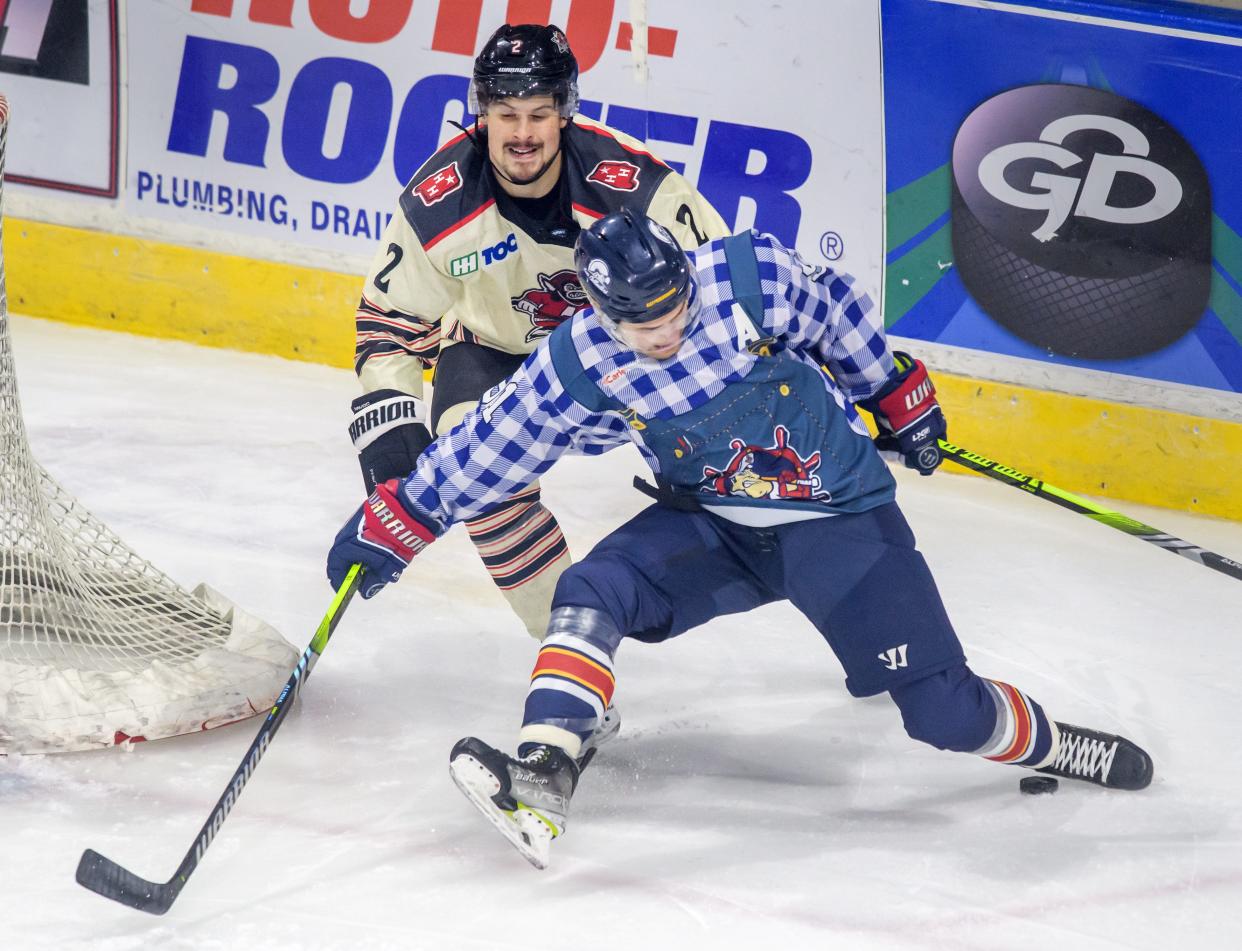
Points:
(155, 289)
(1087, 446)
(1093, 447)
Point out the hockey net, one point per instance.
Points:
(97, 646)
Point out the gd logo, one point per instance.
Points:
(1058, 192)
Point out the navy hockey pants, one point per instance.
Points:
(858, 578)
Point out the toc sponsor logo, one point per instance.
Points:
(469, 263)
(1081, 221)
(499, 252)
(46, 39)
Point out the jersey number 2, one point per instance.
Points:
(686, 217)
(381, 279)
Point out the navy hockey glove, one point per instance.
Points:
(907, 415)
(389, 432)
(383, 536)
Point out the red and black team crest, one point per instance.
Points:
(619, 176)
(557, 298)
(768, 472)
(438, 185)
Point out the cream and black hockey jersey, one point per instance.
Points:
(462, 262)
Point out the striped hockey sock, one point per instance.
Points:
(570, 687)
(1023, 735)
(522, 547)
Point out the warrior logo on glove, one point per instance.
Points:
(382, 536)
(908, 415)
(385, 527)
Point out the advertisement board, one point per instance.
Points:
(300, 120)
(59, 71)
(1061, 185)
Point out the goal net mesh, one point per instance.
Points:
(97, 646)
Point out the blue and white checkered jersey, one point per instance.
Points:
(524, 424)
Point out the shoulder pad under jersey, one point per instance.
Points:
(449, 188)
(606, 170)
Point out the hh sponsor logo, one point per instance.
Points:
(466, 264)
(48, 39)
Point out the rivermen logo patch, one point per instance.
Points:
(619, 176)
(557, 298)
(438, 185)
(768, 472)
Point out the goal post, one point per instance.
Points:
(98, 646)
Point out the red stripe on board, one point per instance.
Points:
(660, 42)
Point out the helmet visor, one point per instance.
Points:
(660, 338)
(485, 91)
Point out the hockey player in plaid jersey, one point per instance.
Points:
(736, 373)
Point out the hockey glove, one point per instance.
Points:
(389, 432)
(383, 536)
(907, 416)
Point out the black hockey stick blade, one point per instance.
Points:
(104, 877)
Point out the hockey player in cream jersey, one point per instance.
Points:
(737, 374)
(477, 268)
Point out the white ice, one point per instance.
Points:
(749, 802)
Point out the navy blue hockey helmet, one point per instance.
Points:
(633, 270)
(525, 60)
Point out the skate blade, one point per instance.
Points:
(526, 831)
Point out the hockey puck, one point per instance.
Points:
(1037, 785)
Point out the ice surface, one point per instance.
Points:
(748, 802)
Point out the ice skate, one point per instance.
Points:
(527, 799)
(1101, 758)
(609, 725)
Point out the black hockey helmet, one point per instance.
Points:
(633, 270)
(525, 60)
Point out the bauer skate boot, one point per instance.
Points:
(608, 726)
(1101, 758)
(527, 799)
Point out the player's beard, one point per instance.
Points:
(530, 177)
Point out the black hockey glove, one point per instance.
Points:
(908, 416)
(389, 432)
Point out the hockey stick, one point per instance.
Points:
(989, 467)
(104, 876)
